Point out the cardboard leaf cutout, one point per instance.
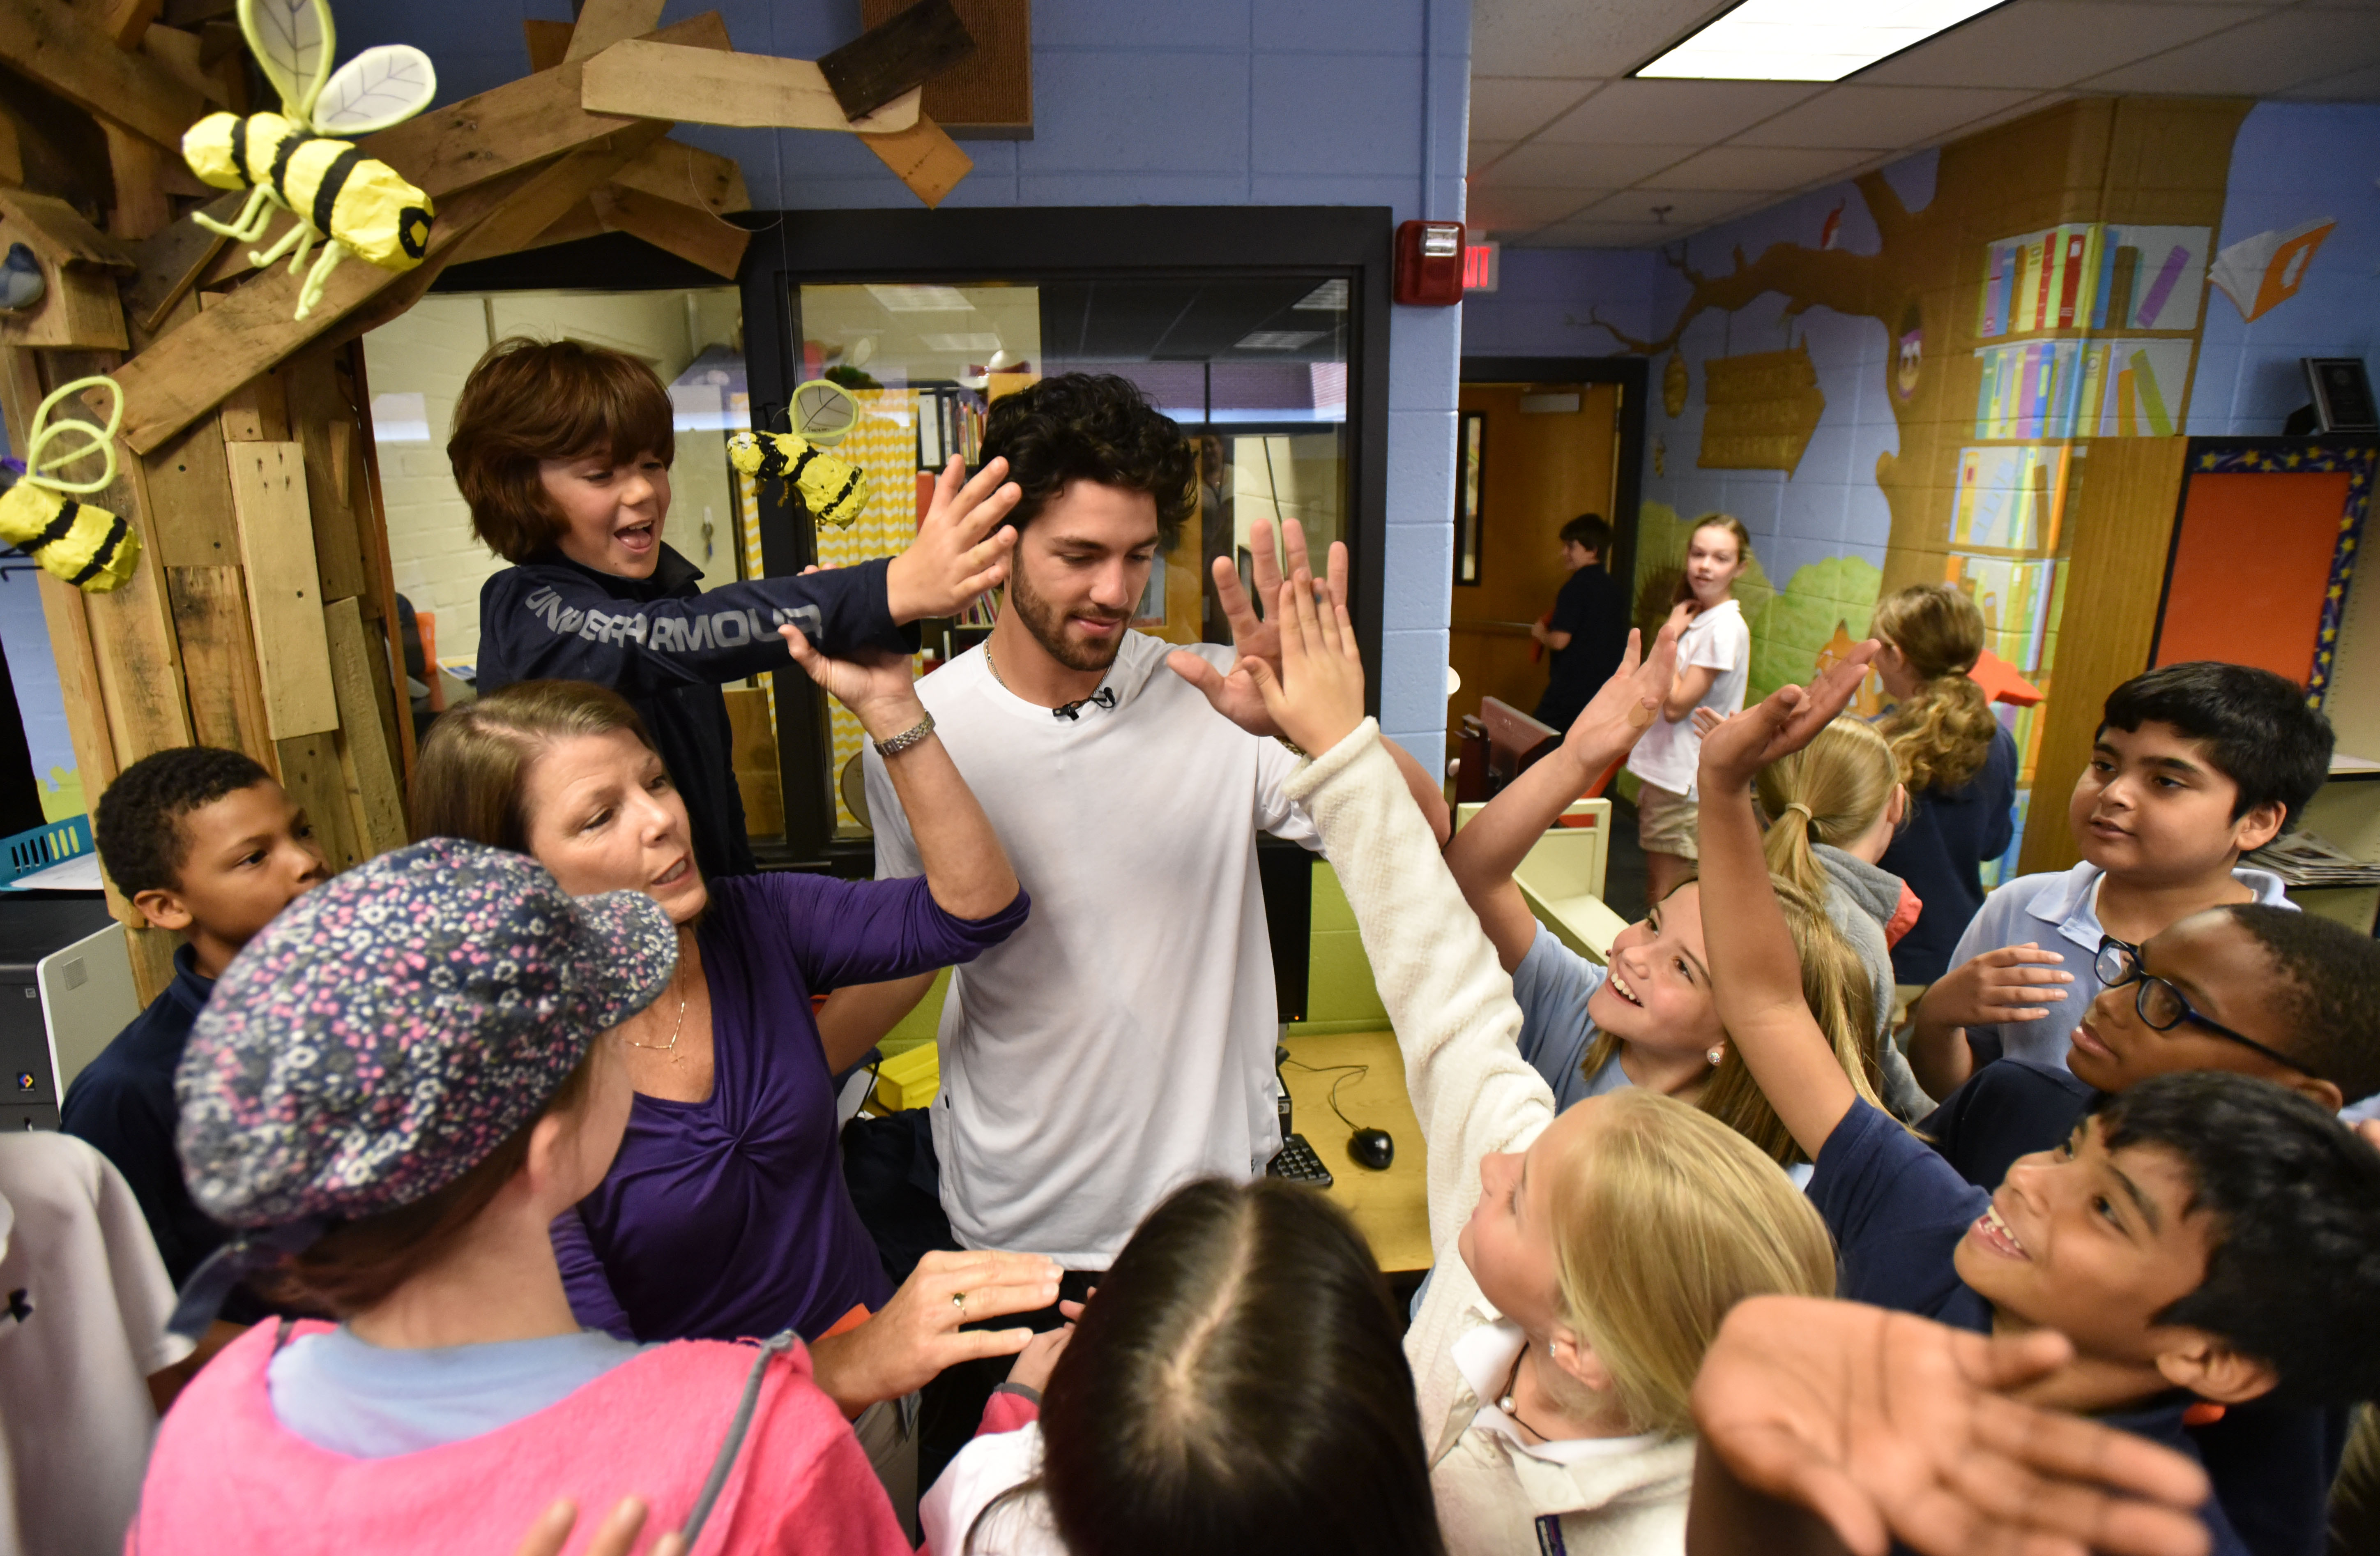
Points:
(378, 87)
(293, 42)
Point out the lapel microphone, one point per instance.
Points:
(1103, 697)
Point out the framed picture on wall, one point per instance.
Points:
(1470, 452)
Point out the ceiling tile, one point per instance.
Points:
(2273, 54)
(1683, 209)
(1484, 151)
(2356, 86)
(1492, 210)
(1670, 113)
(1564, 38)
(1857, 116)
(1513, 108)
(1767, 169)
(2051, 43)
(1582, 168)
(1602, 235)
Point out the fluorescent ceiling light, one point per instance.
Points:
(1808, 39)
(921, 299)
(1277, 340)
(981, 341)
(1328, 298)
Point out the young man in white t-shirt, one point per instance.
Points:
(1714, 666)
(1122, 1042)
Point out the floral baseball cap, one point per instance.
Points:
(396, 1024)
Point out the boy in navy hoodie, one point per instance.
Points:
(563, 451)
(207, 847)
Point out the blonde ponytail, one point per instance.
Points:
(1942, 735)
(1836, 987)
(1831, 791)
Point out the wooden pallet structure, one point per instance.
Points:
(261, 615)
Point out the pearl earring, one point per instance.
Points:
(1716, 1054)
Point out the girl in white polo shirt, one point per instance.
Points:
(1713, 664)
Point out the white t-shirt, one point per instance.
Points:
(1121, 1043)
(1718, 638)
(86, 1300)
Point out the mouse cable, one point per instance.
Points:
(1351, 1073)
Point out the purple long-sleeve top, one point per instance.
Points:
(729, 1217)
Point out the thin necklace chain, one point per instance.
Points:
(677, 1030)
(1512, 1382)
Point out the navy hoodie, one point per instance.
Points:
(666, 646)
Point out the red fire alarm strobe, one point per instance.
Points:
(1429, 264)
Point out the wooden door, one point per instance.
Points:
(1542, 467)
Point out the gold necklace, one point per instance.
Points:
(677, 1029)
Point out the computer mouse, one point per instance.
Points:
(1372, 1147)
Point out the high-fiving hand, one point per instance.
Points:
(961, 548)
(879, 685)
(1315, 697)
(1886, 1425)
(1626, 705)
(1781, 724)
(1255, 641)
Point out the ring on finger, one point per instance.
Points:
(958, 1300)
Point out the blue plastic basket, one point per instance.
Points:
(44, 846)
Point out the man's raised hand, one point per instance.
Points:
(961, 548)
(1256, 639)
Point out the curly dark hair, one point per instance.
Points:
(138, 823)
(2293, 1276)
(1093, 426)
(2328, 990)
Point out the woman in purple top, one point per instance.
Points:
(725, 1214)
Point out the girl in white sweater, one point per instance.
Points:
(1584, 1262)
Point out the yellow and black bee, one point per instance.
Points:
(292, 160)
(90, 548)
(835, 493)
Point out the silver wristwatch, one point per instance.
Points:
(906, 738)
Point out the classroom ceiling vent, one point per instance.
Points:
(1808, 39)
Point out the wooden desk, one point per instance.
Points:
(1390, 1208)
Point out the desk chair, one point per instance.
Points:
(1561, 877)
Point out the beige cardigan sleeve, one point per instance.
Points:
(1449, 1000)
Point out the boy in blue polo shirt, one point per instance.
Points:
(2194, 765)
(205, 845)
(2200, 1238)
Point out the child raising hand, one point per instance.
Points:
(1584, 1261)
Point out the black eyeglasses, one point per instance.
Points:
(2162, 1007)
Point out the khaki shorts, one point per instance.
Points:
(1665, 823)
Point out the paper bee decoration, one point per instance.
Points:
(834, 492)
(289, 161)
(89, 547)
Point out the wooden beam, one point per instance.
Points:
(602, 23)
(188, 481)
(63, 47)
(693, 235)
(323, 423)
(688, 174)
(141, 209)
(276, 545)
(923, 157)
(579, 220)
(396, 711)
(548, 42)
(515, 125)
(127, 20)
(169, 264)
(366, 765)
(59, 231)
(12, 153)
(988, 95)
(551, 190)
(316, 778)
(141, 675)
(219, 655)
(664, 80)
(904, 50)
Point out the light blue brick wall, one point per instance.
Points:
(1183, 103)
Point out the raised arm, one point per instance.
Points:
(1484, 854)
(1759, 997)
(965, 866)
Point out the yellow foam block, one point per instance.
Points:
(909, 1081)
